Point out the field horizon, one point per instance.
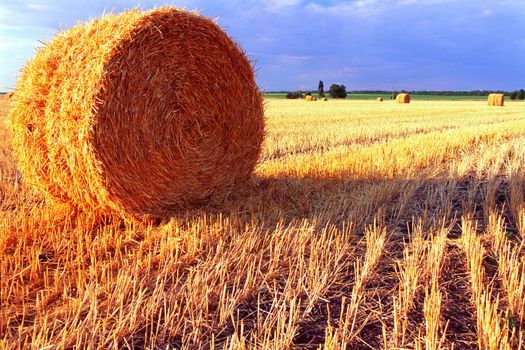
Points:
(387, 96)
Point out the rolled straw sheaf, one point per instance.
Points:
(496, 100)
(403, 98)
(141, 113)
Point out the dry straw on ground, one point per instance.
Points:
(140, 113)
(496, 100)
(403, 98)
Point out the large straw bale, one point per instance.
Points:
(379, 99)
(141, 113)
(496, 100)
(403, 98)
(309, 98)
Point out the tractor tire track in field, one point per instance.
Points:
(457, 310)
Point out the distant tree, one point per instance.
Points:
(320, 89)
(337, 91)
(308, 93)
(293, 95)
(513, 95)
(521, 94)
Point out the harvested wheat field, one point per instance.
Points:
(368, 226)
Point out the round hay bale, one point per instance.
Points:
(379, 99)
(496, 100)
(309, 98)
(403, 98)
(325, 98)
(141, 113)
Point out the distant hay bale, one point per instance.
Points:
(314, 98)
(403, 98)
(141, 113)
(325, 98)
(496, 100)
(309, 98)
(380, 99)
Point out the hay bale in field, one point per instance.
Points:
(309, 98)
(325, 98)
(496, 100)
(141, 113)
(380, 99)
(403, 98)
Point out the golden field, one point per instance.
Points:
(368, 225)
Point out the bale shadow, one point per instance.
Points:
(397, 203)
(337, 201)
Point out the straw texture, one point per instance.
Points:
(141, 113)
(496, 100)
(403, 98)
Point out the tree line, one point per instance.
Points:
(517, 95)
(335, 91)
(339, 91)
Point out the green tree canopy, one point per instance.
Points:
(337, 91)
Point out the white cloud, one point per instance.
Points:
(37, 6)
(279, 5)
(264, 38)
(293, 59)
(336, 74)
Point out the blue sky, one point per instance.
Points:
(364, 44)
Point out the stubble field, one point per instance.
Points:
(368, 225)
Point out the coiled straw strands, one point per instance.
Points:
(141, 113)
